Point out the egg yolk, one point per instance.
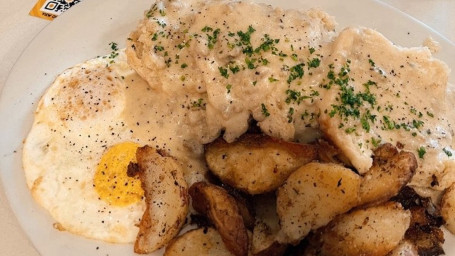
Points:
(111, 181)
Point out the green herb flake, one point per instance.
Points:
(371, 62)
(265, 112)
(207, 29)
(211, 39)
(312, 50)
(375, 142)
(448, 152)
(114, 46)
(155, 37)
(158, 48)
(421, 152)
(198, 103)
(349, 130)
(228, 88)
(290, 113)
(272, 79)
(223, 72)
(295, 72)
(184, 65)
(314, 63)
(234, 69)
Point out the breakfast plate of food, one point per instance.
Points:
(221, 127)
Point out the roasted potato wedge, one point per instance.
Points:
(222, 209)
(256, 163)
(374, 231)
(201, 241)
(312, 196)
(425, 231)
(266, 227)
(166, 196)
(391, 171)
(448, 208)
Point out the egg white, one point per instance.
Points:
(80, 116)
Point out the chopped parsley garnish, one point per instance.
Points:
(228, 88)
(267, 44)
(312, 50)
(250, 63)
(158, 48)
(161, 23)
(223, 72)
(448, 152)
(295, 72)
(198, 103)
(314, 63)
(388, 124)
(155, 37)
(371, 62)
(265, 112)
(290, 113)
(349, 130)
(421, 152)
(114, 46)
(207, 29)
(211, 39)
(272, 79)
(375, 142)
(234, 69)
(246, 36)
(417, 123)
(184, 65)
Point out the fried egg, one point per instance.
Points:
(87, 127)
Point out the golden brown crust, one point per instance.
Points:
(312, 196)
(166, 197)
(373, 231)
(256, 163)
(201, 241)
(391, 171)
(222, 209)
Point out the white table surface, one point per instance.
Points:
(17, 29)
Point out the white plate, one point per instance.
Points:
(85, 32)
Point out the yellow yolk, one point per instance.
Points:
(111, 181)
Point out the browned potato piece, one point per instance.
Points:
(266, 227)
(256, 163)
(405, 248)
(221, 208)
(373, 231)
(166, 196)
(448, 208)
(312, 196)
(391, 171)
(201, 241)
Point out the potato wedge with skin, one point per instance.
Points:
(201, 241)
(223, 211)
(256, 163)
(448, 208)
(312, 196)
(266, 227)
(166, 196)
(373, 231)
(391, 171)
